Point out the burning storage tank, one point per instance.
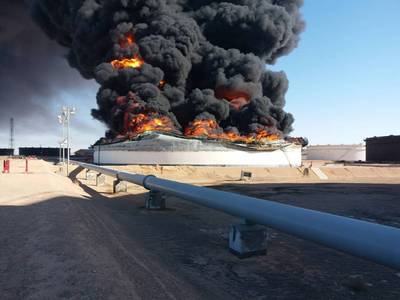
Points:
(166, 149)
(186, 68)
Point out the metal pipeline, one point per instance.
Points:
(120, 175)
(133, 178)
(102, 170)
(371, 241)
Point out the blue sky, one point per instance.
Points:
(344, 79)
(344, 76)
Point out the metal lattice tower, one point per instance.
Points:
(11, 133)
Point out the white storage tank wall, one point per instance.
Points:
(290, 156)
(336, 152)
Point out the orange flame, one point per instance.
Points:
(202, 128)
(141, 123)
(237, 99)
(128, 40)
(135, 63)
(210, 129)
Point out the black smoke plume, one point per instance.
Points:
(200, 58)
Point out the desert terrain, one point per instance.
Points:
(65, 237)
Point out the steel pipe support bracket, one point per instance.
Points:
(100, 179)
(119, 186)
(247, 239)
(155, 201)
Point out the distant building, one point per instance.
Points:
(6, 152)
(336, 152)
(84, 153)
(383, 148)
(40, 151)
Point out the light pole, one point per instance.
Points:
(61, 120)
(62, 150)
(64, 119)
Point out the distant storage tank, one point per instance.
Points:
(6, 152)
(336, 152)
(383, 149)
(40, 151)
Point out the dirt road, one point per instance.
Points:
(66, 240)
(57, 242)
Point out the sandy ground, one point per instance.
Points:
(65, 238)
(335, 172)
(57, 241)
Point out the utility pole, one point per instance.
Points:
(11, 143)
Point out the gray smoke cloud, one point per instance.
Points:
(33, 70)
(210, 54)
